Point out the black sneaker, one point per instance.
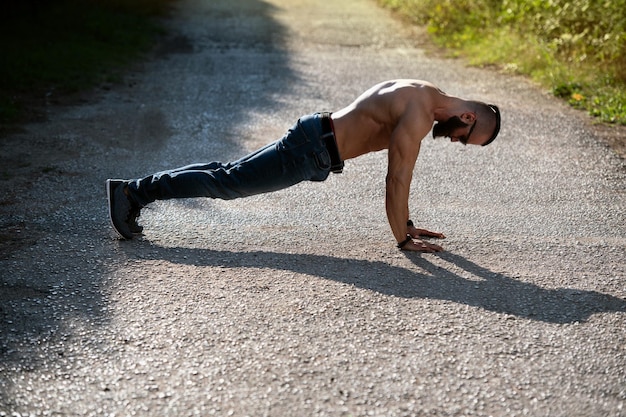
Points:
(122, 212)
(134, 227)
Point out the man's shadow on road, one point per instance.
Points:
(486, 289)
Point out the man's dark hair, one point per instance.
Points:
(496, 112)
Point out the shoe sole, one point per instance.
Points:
(110, 189)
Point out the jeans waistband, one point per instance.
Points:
(328, 136)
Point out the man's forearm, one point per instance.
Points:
(397, 209)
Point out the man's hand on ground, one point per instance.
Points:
(417, 233)
(418, 245)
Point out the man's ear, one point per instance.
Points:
(468, 117)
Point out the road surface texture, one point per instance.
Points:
(298, 303)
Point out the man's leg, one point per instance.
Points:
(261, 172)
(279, 165)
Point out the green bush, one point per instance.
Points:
(577, 48)
(579, 31)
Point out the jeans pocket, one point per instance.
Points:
(294, 138)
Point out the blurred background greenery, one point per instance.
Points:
(57, 47)
(576, 48)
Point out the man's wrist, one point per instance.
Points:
(405, 241)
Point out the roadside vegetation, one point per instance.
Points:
(52, 48)
(575, 48)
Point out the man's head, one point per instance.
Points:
(478, 125)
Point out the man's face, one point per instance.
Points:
(449, 127)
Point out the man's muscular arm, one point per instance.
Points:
(404, 147)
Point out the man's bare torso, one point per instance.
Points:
(366, 125)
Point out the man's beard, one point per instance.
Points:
(442, 129)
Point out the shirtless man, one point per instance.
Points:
(394, 115)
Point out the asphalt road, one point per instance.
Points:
(298, 303)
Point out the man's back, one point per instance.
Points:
(366, 125)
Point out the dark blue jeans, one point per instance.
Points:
(298, 156)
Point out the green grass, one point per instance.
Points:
(574, 48)
(59, 47)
